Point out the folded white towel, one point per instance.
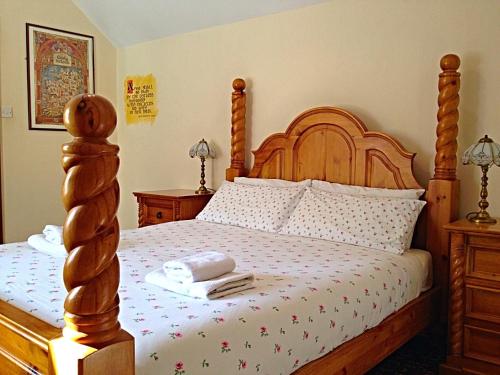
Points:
(39, 242)
(210, 289)
(199, 267)
(53, 234)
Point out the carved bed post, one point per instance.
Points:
(457, 271)
(447, 128)
(91, 235)
(442, 193)
(238, 99)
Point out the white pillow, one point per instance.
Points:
(256, 207)
(274, 182)
(375, 222)
(367, 191)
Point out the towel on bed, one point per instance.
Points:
(199, 267)
(210, 289)
(39, 242)
(53, 234)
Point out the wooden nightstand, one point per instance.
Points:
(474, 318)
(161, 206)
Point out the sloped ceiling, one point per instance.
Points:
(127, 22)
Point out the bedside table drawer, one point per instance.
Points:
(156, 207)
(157, 215)
(482, 303)
(483, 258)
(482, 344)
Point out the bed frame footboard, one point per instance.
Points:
(24, 342)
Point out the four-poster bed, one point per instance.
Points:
(322, 143)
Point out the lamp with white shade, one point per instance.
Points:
(485, 153)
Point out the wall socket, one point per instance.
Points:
(7, 111)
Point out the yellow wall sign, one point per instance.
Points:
(140, 99)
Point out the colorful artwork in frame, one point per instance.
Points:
(60, 66)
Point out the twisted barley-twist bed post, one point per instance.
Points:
(238, 109)
(443, 189)
(91, 235)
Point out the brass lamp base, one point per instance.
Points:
(481, 217)
(202, 190)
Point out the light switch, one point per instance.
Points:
(7, 111)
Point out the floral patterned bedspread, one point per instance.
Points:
(310, 296)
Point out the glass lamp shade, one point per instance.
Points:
(483, 153)
(201, 150)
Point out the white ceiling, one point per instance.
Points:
(127, 22)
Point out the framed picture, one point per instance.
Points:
(60, 66)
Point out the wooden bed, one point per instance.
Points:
(322, 143)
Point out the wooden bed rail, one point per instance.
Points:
(443, 189)
(92, 340)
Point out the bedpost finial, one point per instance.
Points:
(91, 235)
(239, 84)
(91, 116)
(450, 62)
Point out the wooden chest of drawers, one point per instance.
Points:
(474, 319)
(161, 206)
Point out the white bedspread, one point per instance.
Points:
(310, 296)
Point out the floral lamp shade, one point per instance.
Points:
(203, 151)
(485, 153)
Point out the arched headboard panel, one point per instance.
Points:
(332, 144)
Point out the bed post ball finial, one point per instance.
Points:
(91, 116)
(450, 62)
(239, 84)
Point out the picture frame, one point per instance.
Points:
(60, 65)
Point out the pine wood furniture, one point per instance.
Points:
(315, 145)
(474, 323)
(162, 206)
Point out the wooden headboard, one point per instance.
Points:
(334, 145)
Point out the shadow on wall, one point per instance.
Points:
(468, 131)
(248, 122)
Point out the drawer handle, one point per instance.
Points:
(159, 215)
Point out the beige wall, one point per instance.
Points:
(379, 59)
(31, 171)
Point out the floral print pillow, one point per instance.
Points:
(367, 191)
(256, 207)
(376, 222)
(273, 182)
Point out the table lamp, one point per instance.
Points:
(203, 151)
(484, 153)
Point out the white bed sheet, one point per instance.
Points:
(310, 296)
